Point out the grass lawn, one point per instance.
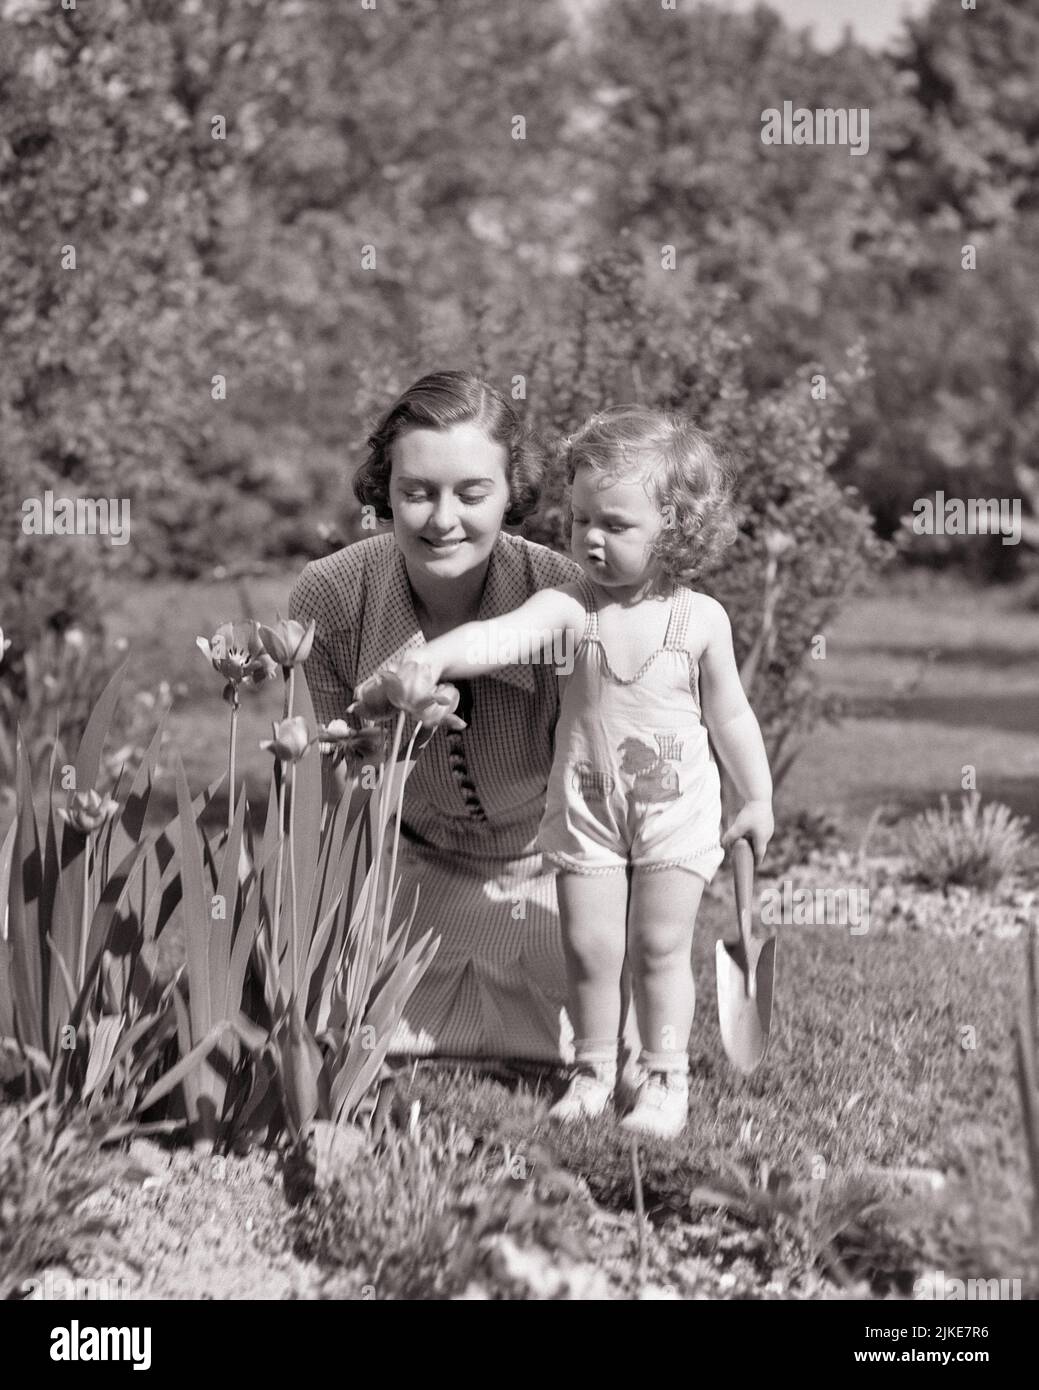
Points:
(936, 675)
(867, 1114)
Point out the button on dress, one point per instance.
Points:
(472, 805)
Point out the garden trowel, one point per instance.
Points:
(746, 974)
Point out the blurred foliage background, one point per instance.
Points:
(537, 259)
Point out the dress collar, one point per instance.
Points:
(391, 628)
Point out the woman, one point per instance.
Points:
(449, 465)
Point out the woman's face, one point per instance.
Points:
(449, 494)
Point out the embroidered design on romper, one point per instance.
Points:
(653, 771)
(590, 782)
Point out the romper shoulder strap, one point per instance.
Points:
(591, 606)
(677, 636)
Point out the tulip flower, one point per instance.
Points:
(291, 739)
(237, 653)
(264, 668)
(288, 641)
(88, 811)
(409, 687)
(353, 746)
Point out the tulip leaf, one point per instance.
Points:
(356, 1071)
(252, 1035)
(184, 1067)
(6, 987)
(103, 1043)
(130, 1037)
(23, 923)
(163, 852)
(243, 943)
(315, 986)
(62, 908)
(306, 790)
(128, 826)
(195, 903)
(221, 929)
(88, 757)
(63, 976)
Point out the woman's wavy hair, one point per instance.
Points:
(693, 478)
(436, 402)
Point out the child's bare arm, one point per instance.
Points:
(735, 732)
(524, 634)
(472, 650)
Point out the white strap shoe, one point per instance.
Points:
(661, 1107)
(589, 1093)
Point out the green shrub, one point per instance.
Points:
(974, 846)
(59, 660)
(805, 544)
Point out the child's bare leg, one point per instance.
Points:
(661, 918)
(593, 911)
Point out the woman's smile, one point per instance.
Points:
(444, 547)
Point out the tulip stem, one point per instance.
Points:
(231, 766)
(396, 841)
(380, 832)
(293, 965)
(290, 689)
(276, 918)
(84, 924)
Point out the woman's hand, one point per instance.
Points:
(410, 687)
(755, 821)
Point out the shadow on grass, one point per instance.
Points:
(1020, 794)
(967, 656)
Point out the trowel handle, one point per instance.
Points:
(743, 877)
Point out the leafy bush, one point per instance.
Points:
(60, 658)
(974, 846)
(61, 678)
(805, 543)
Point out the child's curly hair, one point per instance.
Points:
(437, 402)
(694, 480)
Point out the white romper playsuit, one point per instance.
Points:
(634, 781)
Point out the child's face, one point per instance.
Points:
(449, 493)
(615, 521)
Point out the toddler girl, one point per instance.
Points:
(633, 813)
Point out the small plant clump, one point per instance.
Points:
(438, 1215)
(44, 1179)
(974, 846)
